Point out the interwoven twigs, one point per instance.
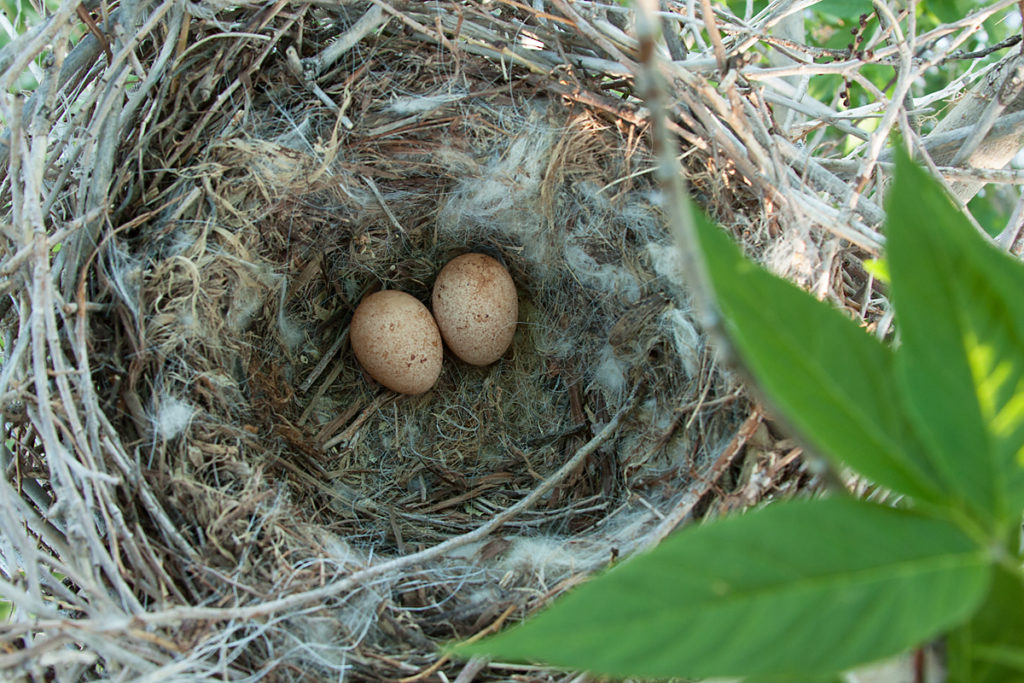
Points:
(145, 193)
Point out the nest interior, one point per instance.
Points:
(208, 474)
(278, 460)
(249, 306)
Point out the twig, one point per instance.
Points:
(676, 48)
(324, 361)
(712, 28)
(87, 19)
(295, 66)
(708, 477)
(905, 78)
(669, 174)
(364, 26)
(1008, 235)
(494, 627)
(1008, 91)
(473, 667)
(979, 54)
(383, 204)
(379, 400)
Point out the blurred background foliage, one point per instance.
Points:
(836, 24)
(16, 18)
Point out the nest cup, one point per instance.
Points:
(204, 465)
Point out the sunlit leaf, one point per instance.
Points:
(826, 377)
(879, 268)
(960, 315)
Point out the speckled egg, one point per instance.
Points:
(476, 307)
(397, 342)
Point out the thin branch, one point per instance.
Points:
(716, 37)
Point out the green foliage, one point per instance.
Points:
(844, 9)
(987, 648)
(947, 10)
(961, 361)
(853, 413)
(894, 579)
(20, 13)
(21, 16)
(992, 208)
(804, 590)
(879, 268)
(739, 7)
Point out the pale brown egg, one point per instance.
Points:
(476, 307)
(397, 342)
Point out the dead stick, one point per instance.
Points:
(714, 34)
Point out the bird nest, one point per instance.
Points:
(200, 481)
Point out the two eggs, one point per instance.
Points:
(475, 308)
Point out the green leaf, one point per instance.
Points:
(845, 9)
(829, 379)
(801, 678)
(990, 647)
(803, 589)
(992, 208)
(950, 10)
(878, 267)
(960, 364)
(739, 7)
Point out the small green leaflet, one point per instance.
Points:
(803, 588)
(960, 364)
(829, 379)
(878, 268)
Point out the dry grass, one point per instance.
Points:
(199, 480)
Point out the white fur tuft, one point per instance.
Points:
(607, 277)
(666, 262)
(610, 375)
(686, 339)
(173, 417)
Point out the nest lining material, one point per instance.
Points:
(205, 482)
